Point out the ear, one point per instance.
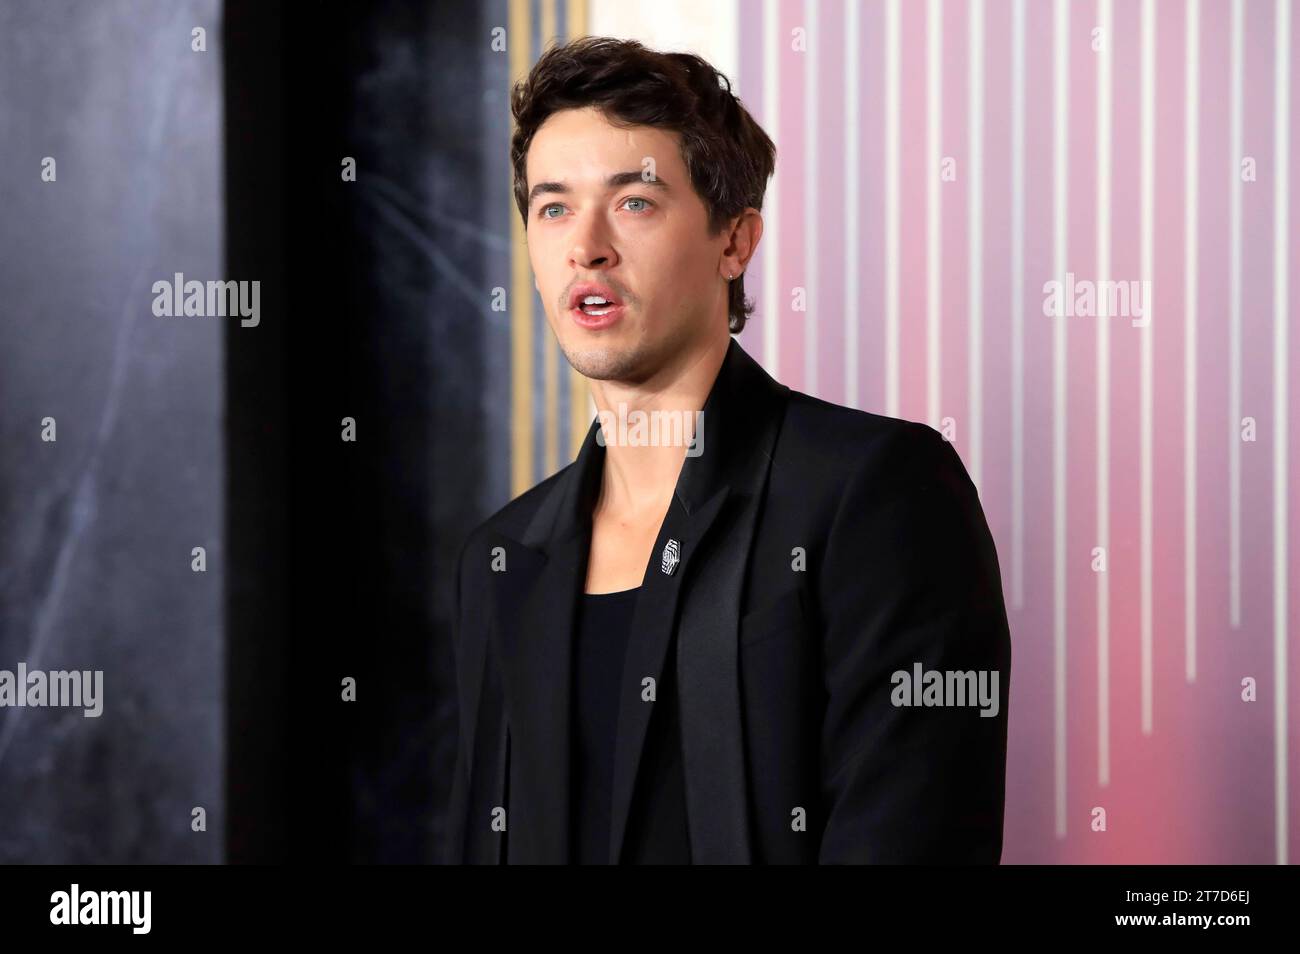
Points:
(745, 231)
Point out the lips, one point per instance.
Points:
(589, 289)
(594, 314)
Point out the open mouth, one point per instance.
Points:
(595, 306)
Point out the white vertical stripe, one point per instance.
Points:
(776, 305)
(1190, 265)
(975, 233)
(934, 126)
(1018, 304)
(1104, 65)
(1281, 315)
(1234, 325)
(892, 79)
(731, 13)
(1060, 210)
(710, 29)
(812, 58)
(1148, 342)
(852, 182)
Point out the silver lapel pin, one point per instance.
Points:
(672, 554)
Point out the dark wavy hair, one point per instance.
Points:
(729, 156)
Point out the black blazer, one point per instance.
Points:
(821, 550)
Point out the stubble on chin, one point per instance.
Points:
(606, 362)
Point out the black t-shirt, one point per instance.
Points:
(604, 623)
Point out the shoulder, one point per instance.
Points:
(471, 576)
(512, 519)
(902, 506)
(860, 448)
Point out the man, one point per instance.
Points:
(776, 635)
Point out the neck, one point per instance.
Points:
(639, 478)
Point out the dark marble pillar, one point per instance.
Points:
(342, 552)
(98, 525)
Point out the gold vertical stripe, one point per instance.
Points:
(580, 414)
(551, 390)
(576, 17)
(550, 369)
(548, 25)
(521, 298)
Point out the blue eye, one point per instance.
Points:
(646, 203)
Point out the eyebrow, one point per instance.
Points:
(613, 182)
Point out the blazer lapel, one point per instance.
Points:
(533, 604)
(713, 755)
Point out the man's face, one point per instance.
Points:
(645, 242)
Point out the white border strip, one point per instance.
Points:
(1060, 213)
(1281, 487)
(811, 194)
(772, 202)
(852, 184)
(1190, 291)
(975, 237)
(1148, 344)
(892, 83)
(1105, 63)
(1234, 324)
(933, 198)
(1018, 304)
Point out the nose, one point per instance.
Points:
(591, 247)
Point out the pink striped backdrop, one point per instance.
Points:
(1203, 785)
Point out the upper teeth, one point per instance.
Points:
(595, 300)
